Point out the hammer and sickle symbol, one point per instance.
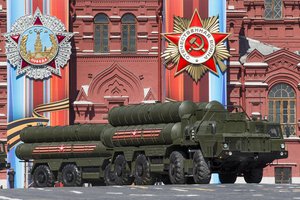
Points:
(199, 47)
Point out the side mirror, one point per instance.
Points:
(7, 166)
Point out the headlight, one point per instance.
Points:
(225, 146)
(282, 146)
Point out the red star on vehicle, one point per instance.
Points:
(192, 42)
(61, 148)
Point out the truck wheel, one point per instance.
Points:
(253, 175)
(166, 179)
(71, 176)
(121, 174)
(227, 177)
(109, 176)
(43, 177)
(142, 175)
(201, 171)
(176, 168)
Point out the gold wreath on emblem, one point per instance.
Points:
(171, 55)
(39, 52)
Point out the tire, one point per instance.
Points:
(109, 176)
(142, 173)
(71, 176)
(43, 177)
(227, 177)
(253, 175)
(99, 182)
(122, 176)
(176, 168)
(201, 171)
(166, 179)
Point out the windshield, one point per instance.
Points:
(273, 131)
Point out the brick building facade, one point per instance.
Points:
(264, 70)
(116, 59)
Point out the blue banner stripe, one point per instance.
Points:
(218, 84)
(16, 91)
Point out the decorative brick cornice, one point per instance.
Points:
(94, 57)
(253, 3)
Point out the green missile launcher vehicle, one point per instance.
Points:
(3, 156)
(174, 142)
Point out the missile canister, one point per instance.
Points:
(61, 150)
(86, 132)
(170, 112)
(151, 134)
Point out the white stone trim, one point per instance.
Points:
(256, 84)
(3, 183)
(255, 113)
(149, 101)
(236, 11)
(268, 180)
(2, 115)
(115, 36)
(256, 64)
(293, 137)
(116, 97)
(115, 17)
(83, 103)
(85, 89)
(3, 63)
(275, 164)
(234, 63)
(115, 50)
(145, 16)
(231, 7)
(235, 83)
(296, 180)
(87, 37)
(3, 84)
(88, 51)
(142, 50)
(76, 32)
(154, 32)
(84, 17)
(154, 47)
(142, 36)
(232, 49)
(146, 91)
(153, 53)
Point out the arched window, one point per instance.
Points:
(273, 9)
(282, 107)
(128, 33)
(101, 33)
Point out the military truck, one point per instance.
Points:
(175, 142)
(3, 163)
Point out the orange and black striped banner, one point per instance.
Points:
(15, 127)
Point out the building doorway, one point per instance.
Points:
(283, 175)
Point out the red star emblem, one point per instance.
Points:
(61, 148)
(196, 45)
(133, 133)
